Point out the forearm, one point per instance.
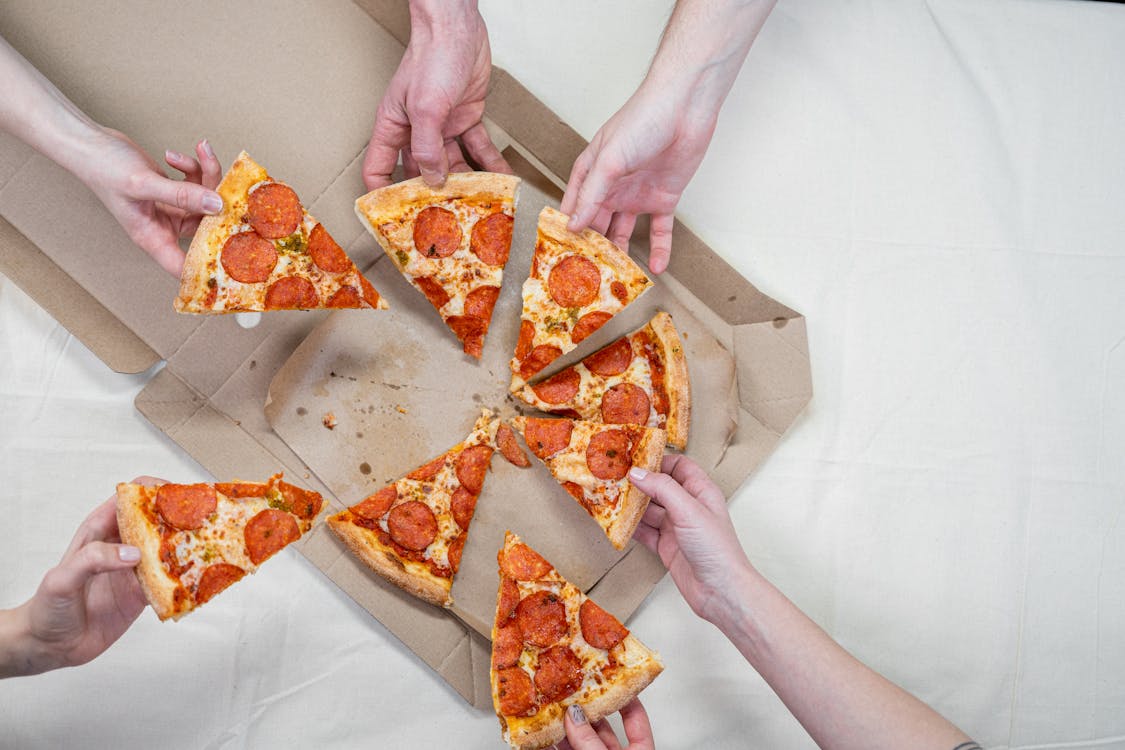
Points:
(841, 702)
(703, 48)
(36, 112)
(435, 16)
(20, 652)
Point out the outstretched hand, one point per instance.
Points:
(687, 524)
(581, 735)
(154, 210)
(435, 101)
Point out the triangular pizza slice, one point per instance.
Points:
(451, 243)
(642, 378)
(265, 252)
(552, 646)
(197, 539)
(412, 531)
(576, 284)
(591, 461)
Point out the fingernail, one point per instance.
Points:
(207, 148)
(637, 473)
(212, 203)
(432, 178)
(173, 156)
(128, 553)
(577, 715)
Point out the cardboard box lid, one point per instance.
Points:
(209, 397)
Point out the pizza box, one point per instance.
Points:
(211, 376)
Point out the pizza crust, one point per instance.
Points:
(136, 529)
(677, 384)
(648, 456)
(391, 202)
(552, 224)
(386, 563)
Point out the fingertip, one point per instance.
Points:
(212, 203)
(173, 157)
(127, 553)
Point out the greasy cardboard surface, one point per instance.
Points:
(209, 396)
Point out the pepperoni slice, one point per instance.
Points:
(492, 239)
(527, 333)
(514, 692)
(470, 331)
(436, 232)
(434, 291)
(480, 301)
(587, 324)
(248, 258)
(268, 532)
(506, 646)
(428, 471)
(326, 254)
(609, 455)
(625, 403)
(345, 297)
(538, 358)
(376, 506)
(456, 547)
(300, 502)
(558, 674)
(472, 465)
(560, 388)
(462, 505)
(524, 564)
(575, 491)
(215, 578)
(611, 360)
(541, 618)
(618, 290)
(600, 628)
(509, 448)
(507, 600)
(185, 506)
(546, 437)
(369, 294)
(274, 210)
(412, 525)
(239, 490)
(574, 281)
(291, 293)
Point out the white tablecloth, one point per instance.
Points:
(938, 188)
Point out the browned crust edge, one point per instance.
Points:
(390, 202)
(676, 379)
(647, 456)
(386, 563)
(134, 527)
(552, 224)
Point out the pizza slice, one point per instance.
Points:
(412, 531)
(265, 252)
(642, 378)
(591, 461)
(197, 539)
(577, 283)
(451, 243)
(552, 646)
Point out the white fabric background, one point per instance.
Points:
(938, 188)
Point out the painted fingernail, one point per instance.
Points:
(173, 156)
(637, 473)
(207, 148)
(128, 553)
(212, 203)
(577, 715)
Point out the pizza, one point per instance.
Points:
(576, 284)
(641, 378)
(265, 252)
(552, 646)
(591, 461)
(451, 243)
(412, 531)
(197, 539)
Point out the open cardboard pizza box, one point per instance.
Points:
(249, 401)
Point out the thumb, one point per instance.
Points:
(579, 732)
(69, 577)
(666, 491)
(187, 196)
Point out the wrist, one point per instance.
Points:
(21, 653)
(441, 15)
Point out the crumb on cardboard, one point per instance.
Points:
(401, 409)
(329, 421)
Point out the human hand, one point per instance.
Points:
(154, 210)
(581, 735)
(82, 606)
(435, 99)
(688, 525)
(639, 162)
